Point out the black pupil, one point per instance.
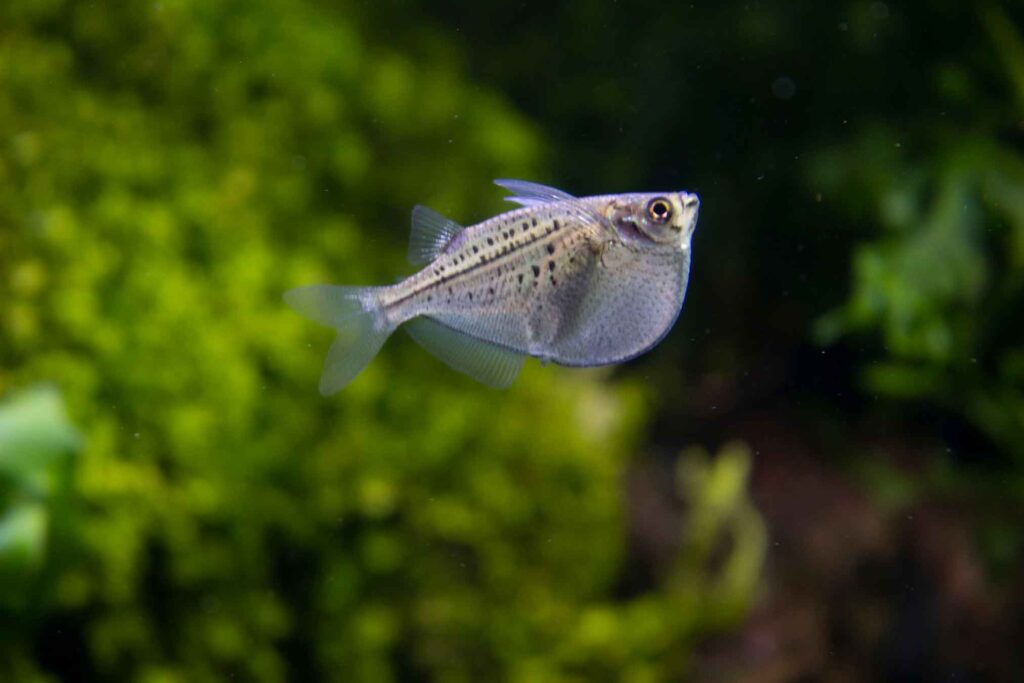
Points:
(659, 209)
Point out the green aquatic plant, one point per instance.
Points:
(37, 446)
(941, 289)
(940, 284)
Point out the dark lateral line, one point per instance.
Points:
(470, 269)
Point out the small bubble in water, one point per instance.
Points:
(784, 88)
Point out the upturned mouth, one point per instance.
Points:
(691, 204)
(691, 209)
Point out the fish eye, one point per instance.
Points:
(660, 210)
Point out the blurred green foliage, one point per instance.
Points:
(36, 445)
(36, 442)
(720, 510)
(946, 285)
(168, 169)
(943, 287)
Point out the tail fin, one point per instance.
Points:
(361, 325)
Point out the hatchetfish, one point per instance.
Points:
(578, 281)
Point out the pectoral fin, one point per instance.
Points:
(485, 362)
(531, 194)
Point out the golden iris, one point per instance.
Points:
(660, 210)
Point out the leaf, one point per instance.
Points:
(34, 431)
(23, 535)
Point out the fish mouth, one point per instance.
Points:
(690, 204)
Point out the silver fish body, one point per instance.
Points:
(574, 281)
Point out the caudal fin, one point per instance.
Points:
(361, 325)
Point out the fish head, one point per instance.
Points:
(659, 219)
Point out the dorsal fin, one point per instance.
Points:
(430, 233)
(531, 194)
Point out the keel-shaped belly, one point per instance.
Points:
(570, 304)
(624, 312)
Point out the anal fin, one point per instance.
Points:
(485, 362)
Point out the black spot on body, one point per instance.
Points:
(557, 225)
(536, 271)
(475, 249)
(490, 241)
(520, 278)
(490, 291)
(551, 248)
(533, 221)
(551, 265)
